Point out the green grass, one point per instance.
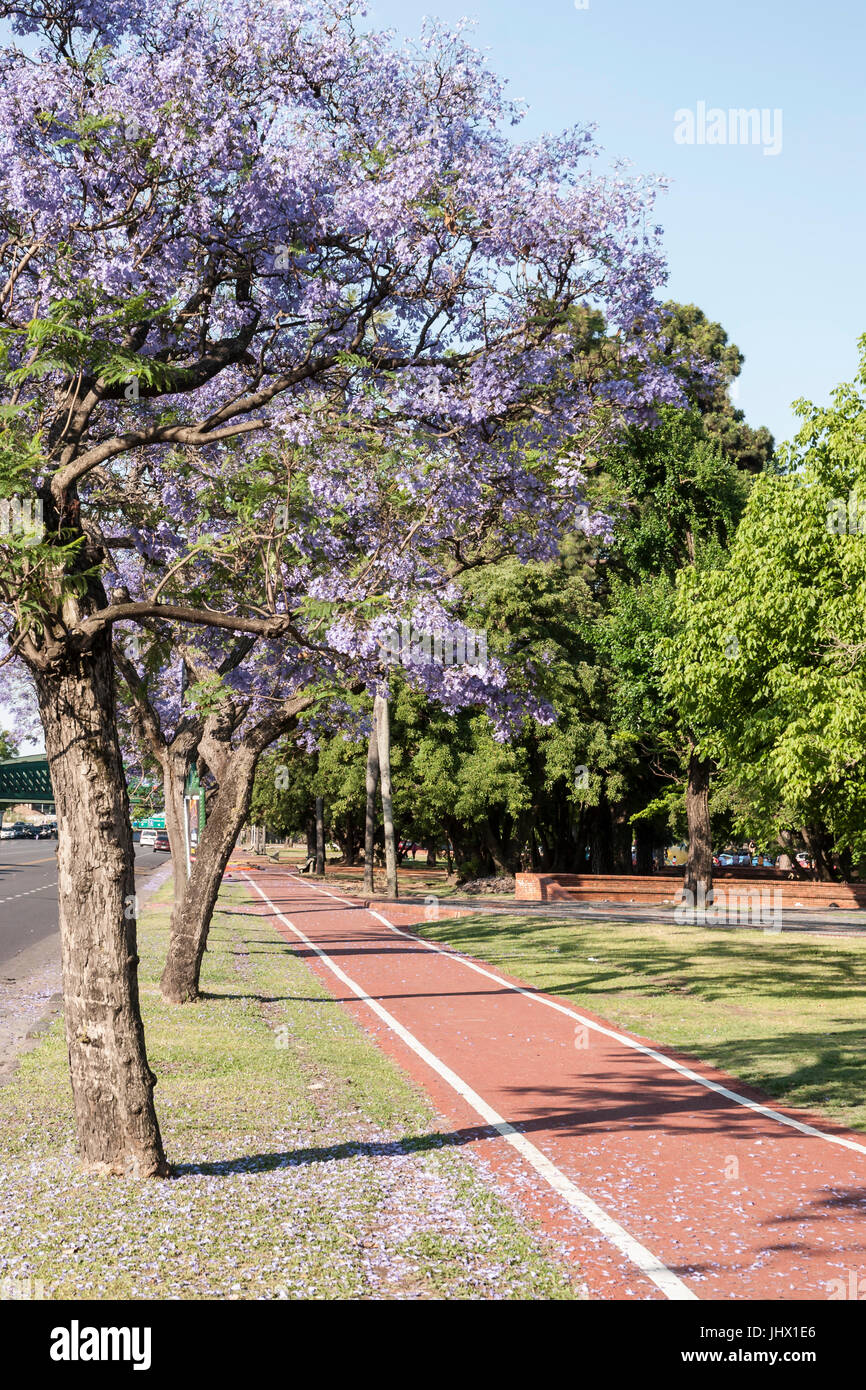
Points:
(784, 1013)
(306, 1163)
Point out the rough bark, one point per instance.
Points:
(112, 1084)
(191, 917)
(372, 780)
(174, 771)
(227, 813)
(383, 727)
(699, 866)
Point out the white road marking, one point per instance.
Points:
(623, 1038)
(28, 892)
(665, 1279)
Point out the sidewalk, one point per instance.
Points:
(682, 1184)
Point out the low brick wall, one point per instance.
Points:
(662, 889)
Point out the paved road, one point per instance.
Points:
(664, 1177)
(28, 892)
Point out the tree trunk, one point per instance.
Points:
(112, 1084)
(370, 815)
(174, 770)
(793, 846)
(320, 835)
(190, 920)
(644, 841)
(818, 844)
(383, 727)
(545, 858)
(699, 866)
(493, 845)
(622, 836)
(346, 838)
(601, 842)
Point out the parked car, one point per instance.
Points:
(148, 837)
(161, 841)
(46, 832)
(7, 832)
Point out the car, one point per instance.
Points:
(7, 832)
(148, 837)
(46, 832)
(162, 841)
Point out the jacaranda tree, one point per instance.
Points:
(242, 219)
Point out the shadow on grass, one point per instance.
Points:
(335, 1153)
(601, 1102)
(707, 964)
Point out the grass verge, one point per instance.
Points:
(306, 1163)
(783, 1013)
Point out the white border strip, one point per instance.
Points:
(671, 1286)
(623, 1038)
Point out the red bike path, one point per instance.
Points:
(659, 1176)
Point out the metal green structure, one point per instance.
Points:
(25, 779)
(193, 794)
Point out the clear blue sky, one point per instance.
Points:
(771, 247)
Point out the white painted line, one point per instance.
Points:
(665, 1279)
(623, 1038)
(28, 892)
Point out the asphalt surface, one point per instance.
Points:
(28, 892)
(664, 1177)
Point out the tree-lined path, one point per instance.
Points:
(663, 1177)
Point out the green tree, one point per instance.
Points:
(770, 666)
